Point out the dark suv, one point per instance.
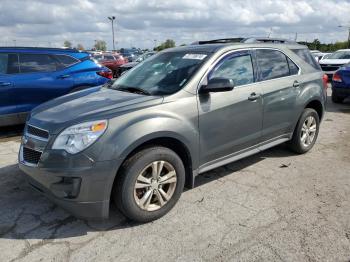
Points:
(178, 114)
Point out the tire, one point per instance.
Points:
(129, 200)
(296, 144)
(336, 99)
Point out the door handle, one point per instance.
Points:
(5, 84)
(296, 84)
(63, 76)
(253, 96)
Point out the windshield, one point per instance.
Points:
(162, 74)
(340, 55)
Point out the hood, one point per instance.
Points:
(130, 64)
(86, 105)
(334, 61)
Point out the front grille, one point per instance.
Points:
(32, 130)
(31, 156)
(326, 68)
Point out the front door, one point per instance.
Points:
(230, 122)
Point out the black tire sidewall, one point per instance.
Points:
(124, 196)
(296, 141)
(335, 98)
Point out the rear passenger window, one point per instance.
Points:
(66, 60)
(9, 64)
(293, 68)
(307, 57)
(238, 68)
(109, 57)
(31, 63)
(272, 64)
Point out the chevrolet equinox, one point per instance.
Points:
(184, 111)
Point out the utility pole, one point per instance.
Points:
(268, 36)
(112, 18)
(348, 27)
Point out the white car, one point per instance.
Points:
(316, 54)
(332, 63)
(325, 56)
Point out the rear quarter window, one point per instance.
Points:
(66, 60)
(307, 57)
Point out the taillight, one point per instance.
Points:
(107, 74)
(325, 81)
(337, 77)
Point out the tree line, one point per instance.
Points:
(99, 45)
(317, 45)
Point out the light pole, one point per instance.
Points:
(112, 18)
(348, 27)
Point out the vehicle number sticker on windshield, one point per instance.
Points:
(194, 56)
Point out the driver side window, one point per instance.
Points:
(237, 67)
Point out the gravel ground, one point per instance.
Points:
(274, 206)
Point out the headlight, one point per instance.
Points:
(78, 137)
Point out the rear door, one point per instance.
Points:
(8, 74)
(41, 79)
(279, 79)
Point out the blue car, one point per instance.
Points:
(341, 84)
(31, 76)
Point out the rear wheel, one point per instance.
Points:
(149, 184)
(306, 132)
(336, 98)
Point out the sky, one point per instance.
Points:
(145, 23)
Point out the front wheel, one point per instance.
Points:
(149, 184)
(306, 132)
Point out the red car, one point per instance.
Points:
(112, 61)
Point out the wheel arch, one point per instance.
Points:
(172, 142)
(316, 104)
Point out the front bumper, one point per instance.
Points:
(83, 190)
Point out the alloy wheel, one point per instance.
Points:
(308, 131)
(155, 185)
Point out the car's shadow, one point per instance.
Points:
(10, 131)
(338, 108)
(26, 214)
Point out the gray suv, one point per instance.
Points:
(182, 112)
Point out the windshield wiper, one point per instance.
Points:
(135, 90)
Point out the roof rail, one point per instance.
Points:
(40, 48)
(219, 41)
(249, 40)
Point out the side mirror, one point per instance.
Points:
(218, 84)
